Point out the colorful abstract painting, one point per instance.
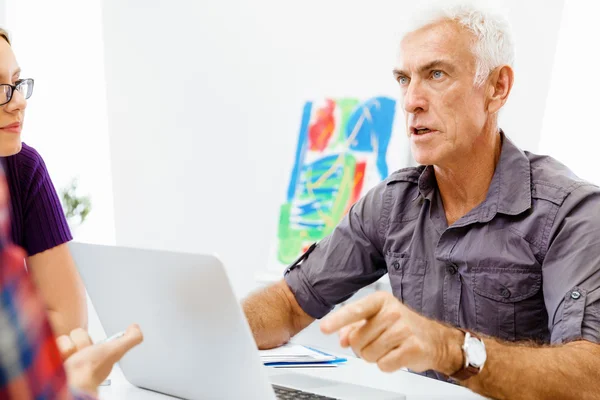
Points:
(341, 154)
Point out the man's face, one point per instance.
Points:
(445, 111)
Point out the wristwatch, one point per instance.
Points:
(474, 355)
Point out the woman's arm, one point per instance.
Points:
(56, 276)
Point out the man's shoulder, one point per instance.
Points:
(409, 175)
(554, 181)
(400, 181)
(397, 191)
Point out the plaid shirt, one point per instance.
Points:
(30, 363)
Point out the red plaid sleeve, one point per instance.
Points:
(30, 364)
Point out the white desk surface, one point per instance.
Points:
(354, 371)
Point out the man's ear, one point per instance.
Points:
(499, 83)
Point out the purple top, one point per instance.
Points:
(38, 221)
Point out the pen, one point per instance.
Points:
(110, 339)
(300, 259)
(113, 337)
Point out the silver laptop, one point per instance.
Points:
(197, 343)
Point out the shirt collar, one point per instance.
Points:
(427, 182)
(510, 189)
(509, 192)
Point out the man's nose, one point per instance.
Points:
(415, 99)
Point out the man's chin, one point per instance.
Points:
(424, 159)
(429, 154)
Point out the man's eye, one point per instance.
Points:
(437, 74)
(402, 80)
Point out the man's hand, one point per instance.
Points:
(87, 364)
(380, 329)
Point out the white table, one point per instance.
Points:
(354, 371)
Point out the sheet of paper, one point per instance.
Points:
(293, 353)
(311, 365)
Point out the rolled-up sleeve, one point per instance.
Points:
(571, 268)
(345, 261)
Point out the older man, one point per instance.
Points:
(492, 253)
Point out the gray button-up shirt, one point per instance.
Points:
(522, 265)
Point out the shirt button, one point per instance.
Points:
(396, 265)
(575, 294)
(504, 292)
(451, 269)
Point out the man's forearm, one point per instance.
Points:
(524, 371)
(274, 317)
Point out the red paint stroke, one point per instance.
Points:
(322, 129)
(357, 184)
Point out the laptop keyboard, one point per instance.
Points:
(287, 393)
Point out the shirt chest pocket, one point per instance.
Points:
(407, 277)
(509, 302)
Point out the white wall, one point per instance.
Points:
(204, 103)
(59, 44)
(570, 128)
(535, 25)
(2, 12)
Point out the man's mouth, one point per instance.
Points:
(421, 131)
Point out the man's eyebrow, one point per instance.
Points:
(437, 64)
(430, 65)
(398, 73)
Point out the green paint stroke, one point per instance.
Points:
(290, 244)
(345, 189)
(347, 107)
(332, 194)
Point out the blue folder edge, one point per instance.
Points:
(336, 360)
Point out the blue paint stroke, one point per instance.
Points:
(377, 115)
(300, 150)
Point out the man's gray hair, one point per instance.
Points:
(4, 35)
(493, 46)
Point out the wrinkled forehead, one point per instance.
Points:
(444, 40)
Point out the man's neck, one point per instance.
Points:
(464, 185)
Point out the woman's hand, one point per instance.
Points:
(87, 364)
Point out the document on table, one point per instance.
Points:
(295, 354)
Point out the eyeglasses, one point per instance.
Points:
(25, 86)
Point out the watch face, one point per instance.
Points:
(476, 352)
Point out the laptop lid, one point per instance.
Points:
(197, 343)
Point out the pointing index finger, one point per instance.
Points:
(365, 308)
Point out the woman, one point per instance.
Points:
(38, 223)
(32, 364)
